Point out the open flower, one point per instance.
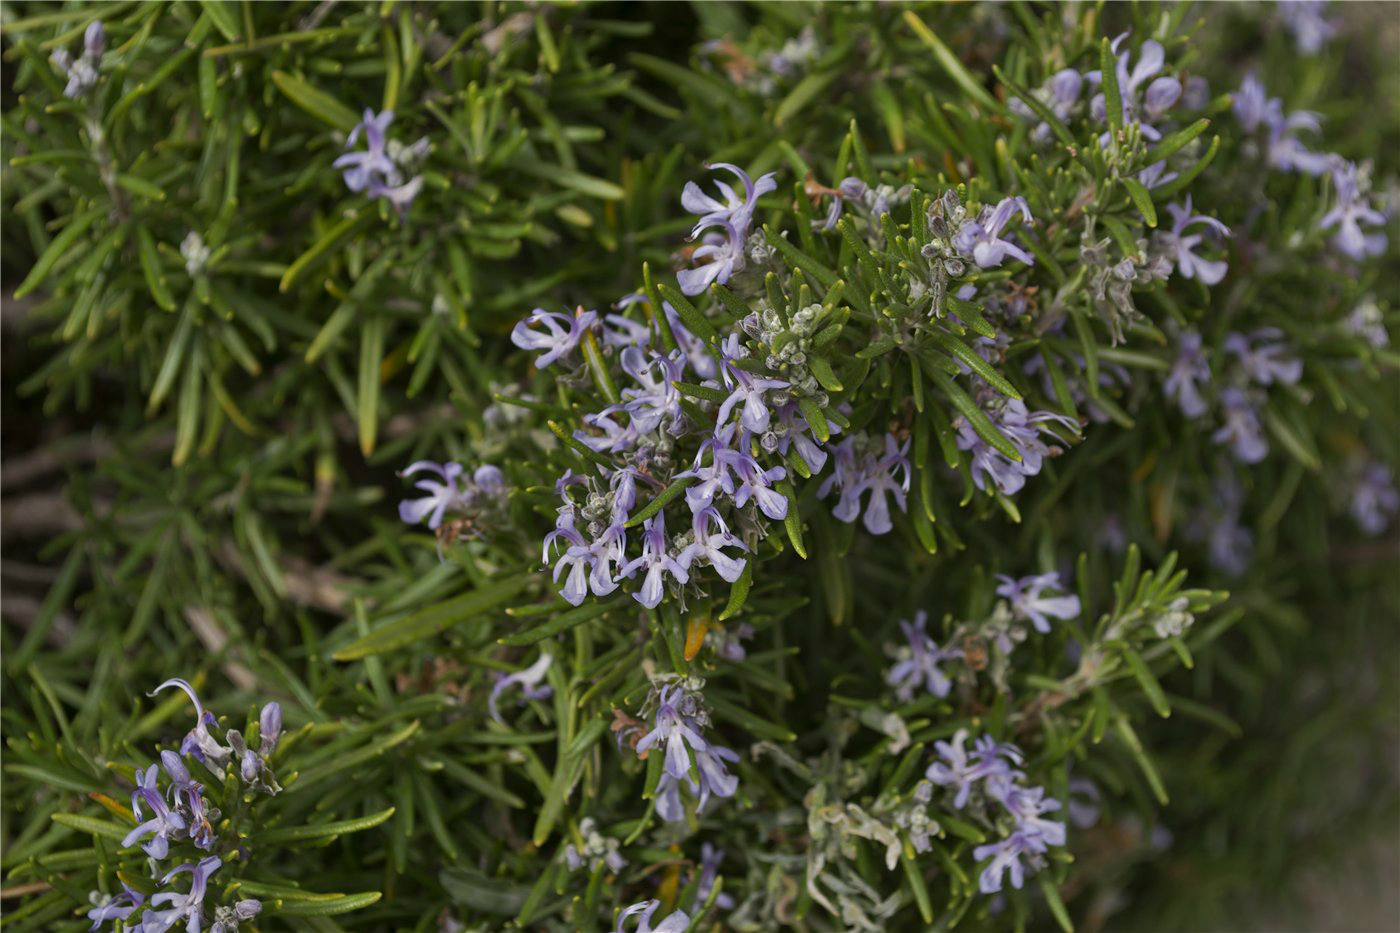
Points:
(528, 681)
(561, 333)
(1028, 603)
(733, 211)
(657, 561)
(918, 664)
(1180, 244)
(677, 922)
(980, 239)
(1189, 373)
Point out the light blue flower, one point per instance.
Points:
(1182, 245)
(188, 906)
(1261, 354)
(1028, 603)
(918, 664)
(562, 332)
(528, 680)
(1241, 430)
(708, 546)
(657, 561)
(678, 922)
(1189, 373)
(980, 239)
(733, 211)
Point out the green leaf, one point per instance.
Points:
(698, 324)
(1053, 901)
(802, 94)
(433, 620)
(1172, 188)
(319, 251)
(572, 178)
(797, 259)
(150, 268)
(1112, 96)
(1130, 738)
(1037, 106)
(792, 521)
(815, 419)
(1149, 683)
(662, 499)
(325, 907)
(953, 66)
(1173, 143)
(824, 374)
(975, 416)
(1141, 200)
(961, 351)
(739, 591)
(56, 250)
(324, 832)
(87, 824)
(917, 885)
(367, 387)
(221, 15)
(565, 621)
(316, 102)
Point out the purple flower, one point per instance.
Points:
(189, 906)
(528, 680)
(1374, 499)
(1304, 19)
(677, 922)
(1254, 107)
(269, 728)
(1189, 373)
(1287, 153)
(795, 432)
(757, 483)
(714, 779)
(848, 188)
(1083, 803)
(561, 333)
(708, 546)
(1023, 429)
(589, 565)
(657, 400)
(711, 856)
(441, 496)
(187, 795)
(118, 907)
(918, 664)
(733, 211)
(676, 731)
(378, 169)
(878, 474)
(726, 255)
(163, 821)
(1026, 804)
(669, 805)
(1208, 271)
(657, 561)
(1141, 108)
(1006, 856)
(198, 742)
(1028, 603)
(1241, 429)
(716, 477)
(1352, 210)
(747, 390)
(957, 770)
(81, 74)
(1060, 94)
(1265, 362)
(980, 239)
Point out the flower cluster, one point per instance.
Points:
(919, 664)
(724, 248)
(1022, 428)
(860, 467)
(680, 719)
(181, 813)
(380, 169)
(988, 779)
(81, 73)
(477, 500)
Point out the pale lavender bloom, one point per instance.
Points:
(1028, 603)
(675, 731)
(726, 255)
(1230, 545)
(528, 679)
(442, 496)
(1241, 429)
(81, 74)
(629, 333)
(849, 187)
(187, 795)
(1374, 498)
(669, 805)
(1262, 356)
(1189, 373)
(1084, 798)
(980, 239)
(1156, 175)
(1140, 108)
(1352, 210)
(117, 907)
(589, 565)
(378, 169)
(1310, 28)
(615, 437)
(881, 475)
(1254, 107)
(1366, 321)
(187, 907)
(657, 399)
(733, 211)
(757, 483)
(795, 432)
(918, 664)
(717, 476)
(1023, 429)
(657, 561)
(958, 771)
(1196, 95)
(710, 858)
(269, 728)
(714, 779)
(1287, 153)
(1208, 271)
(746, 389)
(1026, 804)
(1060, 94)
(678, 922)
(709, 546)
(562, 332)
(1006, 856)
(163, 821)
(198, 742)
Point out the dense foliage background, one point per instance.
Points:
(220, 349)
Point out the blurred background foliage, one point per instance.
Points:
(199, 459)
